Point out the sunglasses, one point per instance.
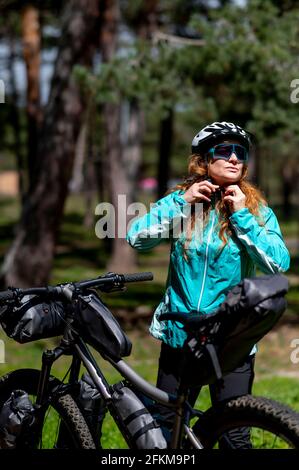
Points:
(224, 152)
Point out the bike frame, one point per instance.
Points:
(81, 354)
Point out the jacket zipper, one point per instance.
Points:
(206, 263)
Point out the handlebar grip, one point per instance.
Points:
(137, 277)
(6, 295)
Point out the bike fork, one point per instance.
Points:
(48, 358)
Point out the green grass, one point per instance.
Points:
(282, 389)
(289, 228)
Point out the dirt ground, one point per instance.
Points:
(278, 352)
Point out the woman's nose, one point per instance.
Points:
(233, 157)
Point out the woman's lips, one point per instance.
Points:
(235, 170)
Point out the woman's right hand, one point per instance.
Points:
(200, 191)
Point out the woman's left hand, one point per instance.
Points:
(235, 197)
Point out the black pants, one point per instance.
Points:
(236, 383)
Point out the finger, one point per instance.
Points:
(207, 183)
(230, 191)
(205, 188)
(229, 198)
(201, 193)
(203, 197)
(212, 185)
(233, 187)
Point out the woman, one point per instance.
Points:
(236, 233)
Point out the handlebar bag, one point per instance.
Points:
(32, 320)
(249, 312)
(99, 328)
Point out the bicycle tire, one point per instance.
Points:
(78, 435)
(248, 411)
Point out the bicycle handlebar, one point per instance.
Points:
(6, 295)
(136, 277)
(112, 279)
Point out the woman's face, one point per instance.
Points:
(225, 172)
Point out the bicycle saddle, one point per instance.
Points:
(192, 320)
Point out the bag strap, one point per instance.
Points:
(132, 416)
(144, 429)
(214, 359)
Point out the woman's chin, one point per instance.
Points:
(230, 179)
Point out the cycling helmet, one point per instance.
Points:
(215, 133)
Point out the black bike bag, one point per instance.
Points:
(220, 342)
(16, 417)
(99, 328)
(31, 320)
(142, 430)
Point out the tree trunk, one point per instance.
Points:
(132, 144)
(288, 172)
(166, 135)
(77, 181)
(31, 52)
(147, 19)
(96, 148)
(29, 260)
(15, 117)
(90, 182)
(123, 258)
(123, 156)
(256, 174)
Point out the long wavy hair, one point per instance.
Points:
(198, 170)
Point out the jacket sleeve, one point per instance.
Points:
(149, 230)
(264, 244)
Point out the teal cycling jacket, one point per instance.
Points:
(200, 284)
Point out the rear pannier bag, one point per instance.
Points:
(142, 430)
(100, 329)
(32, 320)
(249, 311)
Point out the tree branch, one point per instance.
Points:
(158, 36)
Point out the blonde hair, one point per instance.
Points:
(198, 171)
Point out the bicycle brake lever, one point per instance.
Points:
(108, 289)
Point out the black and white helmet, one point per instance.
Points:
(215, 133)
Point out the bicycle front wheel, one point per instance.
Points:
(62, 413)
(249, 422)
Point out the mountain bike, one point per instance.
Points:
(60, 421)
